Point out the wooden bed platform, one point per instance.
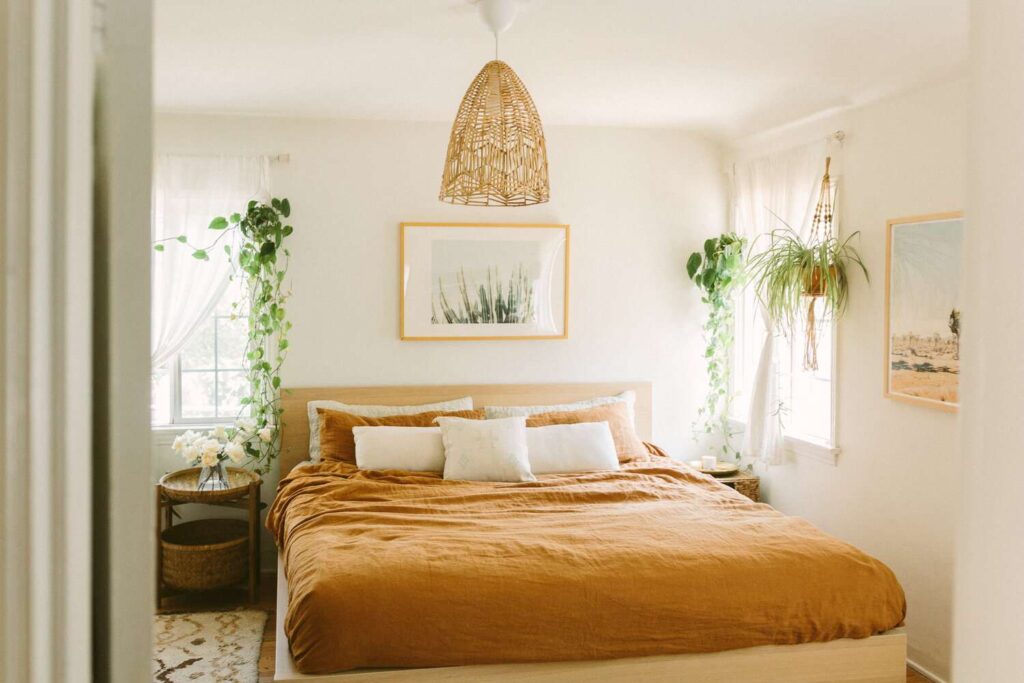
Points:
(878, 659)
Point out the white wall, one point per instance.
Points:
(989, 602)
(893, 492)
(638, 201)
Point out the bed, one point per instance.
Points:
(655, 572)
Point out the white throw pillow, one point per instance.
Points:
(416, 449)
(627, 397)
(485, 450)
(583, 447)
(465, 403)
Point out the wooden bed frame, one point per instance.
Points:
(878, 659)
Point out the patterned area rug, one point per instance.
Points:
(207, 647)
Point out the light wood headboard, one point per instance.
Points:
(295, 424)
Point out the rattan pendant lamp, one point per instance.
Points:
(496, 152)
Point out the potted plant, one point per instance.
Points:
(718, 271)
(805, 279)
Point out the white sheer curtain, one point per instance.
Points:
(188, 192)
(784, 184)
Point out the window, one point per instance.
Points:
(806, 395)
(805, 398)
(206, 380)
(784, 186)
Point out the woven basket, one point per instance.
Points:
(210, 553)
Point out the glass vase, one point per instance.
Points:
(213, 478)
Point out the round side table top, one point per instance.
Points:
(181, 486)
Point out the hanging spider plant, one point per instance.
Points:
(805, 280)
(792, 273)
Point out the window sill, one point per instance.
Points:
(164, 434)
(812, 450)
(800, 447)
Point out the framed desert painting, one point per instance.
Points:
(924, 257)
(476, 281)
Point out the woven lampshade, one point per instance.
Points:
(496, 153)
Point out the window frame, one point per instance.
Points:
(745, 357)
(796, 444)
(175, 374)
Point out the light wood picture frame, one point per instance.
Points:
(483, 281)
(923, 263)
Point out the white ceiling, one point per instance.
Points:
(725, 67)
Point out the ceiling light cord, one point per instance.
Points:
(496, 34)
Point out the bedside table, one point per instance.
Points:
(208, 554)
(746, 483)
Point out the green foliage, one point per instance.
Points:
(719, 271)
(954, 327)
(262, 262)
(489, 304)
(788, 270)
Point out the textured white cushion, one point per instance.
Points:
(583, 447)
(465, 403)
(417, 449)
(485, 450)
(627, 397)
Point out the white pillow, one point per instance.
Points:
(465, 403)
(627, 397)
(417, 449)
(485, 450)
(582, 447)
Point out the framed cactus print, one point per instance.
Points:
(484, 281)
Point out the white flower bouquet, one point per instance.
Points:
(220, 444)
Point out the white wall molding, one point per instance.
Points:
(925, 672)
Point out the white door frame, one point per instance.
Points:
(124, 587)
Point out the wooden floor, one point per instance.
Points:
(225, 599)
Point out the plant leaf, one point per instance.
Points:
(158, 247)
(692, 264)
(219, 223)
(200, 254)
(710, 245)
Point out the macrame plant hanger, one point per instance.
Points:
(821, 233)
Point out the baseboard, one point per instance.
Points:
(924, 672)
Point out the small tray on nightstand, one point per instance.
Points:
(181, 486)
(723, 469)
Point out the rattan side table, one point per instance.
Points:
(207, 554)
(746, 483)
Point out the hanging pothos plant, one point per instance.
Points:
(262, 262)
(719, 273)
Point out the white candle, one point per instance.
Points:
(708, 462)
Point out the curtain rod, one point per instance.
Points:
(273, 158)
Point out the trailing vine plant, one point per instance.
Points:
(262, 261)
(719, 271)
